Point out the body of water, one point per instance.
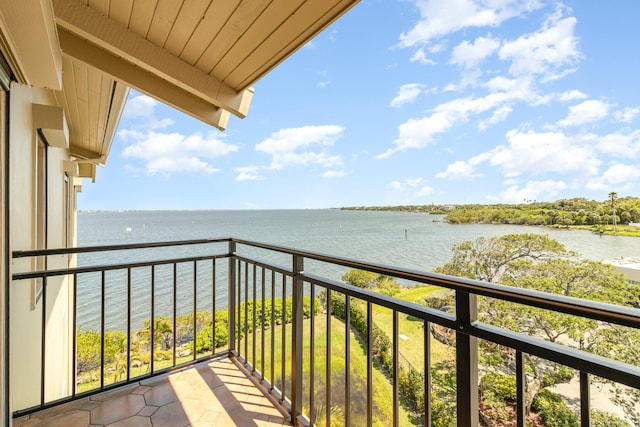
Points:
(411, 240)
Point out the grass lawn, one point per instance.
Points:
(621, 230)
(411, 344)
(382, 390)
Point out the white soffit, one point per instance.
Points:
(200, 57)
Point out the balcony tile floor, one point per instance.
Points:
(215, 393)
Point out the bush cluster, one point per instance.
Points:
(88, 341)
(410, 380)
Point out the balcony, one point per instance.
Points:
(325, 353)
(217, 392)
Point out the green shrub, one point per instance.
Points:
(438, 299)
(204, 337)
(553, 410)
(88, 348)
(605, 419)
(498, 390)
(502, 387)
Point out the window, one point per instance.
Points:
(66, 212)
(40, 229)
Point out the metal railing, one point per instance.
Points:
(304, 353)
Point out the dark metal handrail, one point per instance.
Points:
(624, 316)
(465, 324)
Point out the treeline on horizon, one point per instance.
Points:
(578, 211)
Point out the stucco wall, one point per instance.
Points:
(4, 410)
(26, 324)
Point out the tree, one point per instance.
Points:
(490, 258)
(367, 280)
(613, 196)
(537, 262)
(360, 278)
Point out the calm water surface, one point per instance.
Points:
(399, 239)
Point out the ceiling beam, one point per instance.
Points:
(141, 79)
(85, 154)
(86, 23)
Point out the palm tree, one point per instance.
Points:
(613, 196)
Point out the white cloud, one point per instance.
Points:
(619, 144)
(469, 55)
(439, 18)
(618, 176)
(543, 52)
(421, 57)
(499, 115)
(396, 186)
(407, 93)
(627, 115)
(291, 146)
(571, 95)
(533, 190)
(142, 109)
(418, 133)
(334, 174)
(248, 173)
(464, 170)
(458, 170)
(589, 111)
(538, 153)
(416, 184)
(424, 191)
(167, 153)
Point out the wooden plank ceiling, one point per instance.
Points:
(199, 56)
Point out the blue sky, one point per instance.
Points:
(408, 102)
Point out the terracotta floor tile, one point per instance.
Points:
(135, 421)
(184, 389)
(60, 409)
(210, 378)
(161, 394)
(141, 390)
(150, 382)
(170, 415)
(25, 422)
(216, 393)
(226, 398)
(117, 392)
(70, 419)
(117, 409)
(147, 411)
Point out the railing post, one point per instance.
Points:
(466, 361)
(231, 295)
(296, 346)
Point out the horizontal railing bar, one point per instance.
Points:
(405, 307)
(594, 364)
(600, 366)
(106, 248)
(436, 316)
(625, 316)
(98, 268)
(272, 267)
